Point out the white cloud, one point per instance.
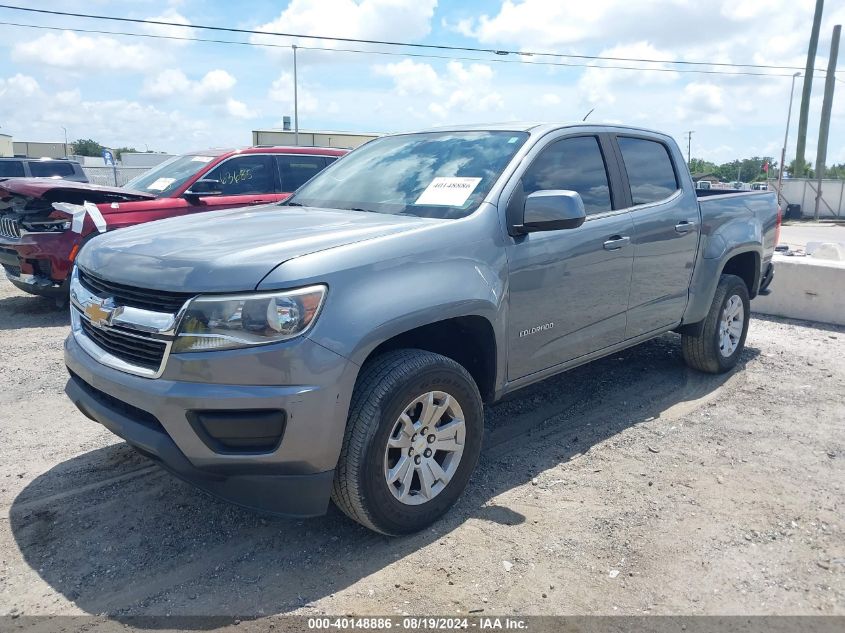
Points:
(167, 83)
(239, 109)
(26, 107)
(212, 87)
(599, 85)
(461, 89)
(281, 91)
(18, 86)
(70, 51)
(702, 102)
(549, 99)
(362, 19)
(411, 78)
(216, 82)
(171, 15)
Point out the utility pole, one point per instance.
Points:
(65, 129)
(689, 146)
(808, 88)
(295, 102)
(827, 105)
(785, 137)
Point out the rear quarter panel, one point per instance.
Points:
(731, 224)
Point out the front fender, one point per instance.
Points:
(384, 287)
(388, 299)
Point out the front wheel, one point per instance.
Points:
(412, 440)
(717, 346)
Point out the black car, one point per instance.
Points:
(42, 168)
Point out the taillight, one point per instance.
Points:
(777, 226)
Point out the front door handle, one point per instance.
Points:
(684, 227)
(616, 242)
(260, 201)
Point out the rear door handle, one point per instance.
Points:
(616, 242)
(260, 201)
(684, 227)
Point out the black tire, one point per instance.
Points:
(384, 388)
(702, 351)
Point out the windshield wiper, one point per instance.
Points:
(293, 204)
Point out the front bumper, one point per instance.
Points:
(40, 263)
(154, 415)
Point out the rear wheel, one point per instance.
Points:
(717, 346)
(412, 440)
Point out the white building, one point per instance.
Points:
(311, 138)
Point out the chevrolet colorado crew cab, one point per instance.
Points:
(341, 345)
(43, 223)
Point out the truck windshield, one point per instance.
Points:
(163, 179)
(432, 175)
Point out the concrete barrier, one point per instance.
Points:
(805, 288)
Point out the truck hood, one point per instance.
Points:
(231, 250)
(37, 194)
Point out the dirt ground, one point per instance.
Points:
(632, 485)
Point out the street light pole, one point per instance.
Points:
(65, 129)
(295, 102)
(785, 137)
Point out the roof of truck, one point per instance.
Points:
(533, 126)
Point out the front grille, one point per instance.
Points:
(142, 352)
(123, 295)
(134, 413)
(10, 228)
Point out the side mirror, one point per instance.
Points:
(552, 211)
(205, 187)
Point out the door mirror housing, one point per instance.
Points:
(552, 210)
(205, 187)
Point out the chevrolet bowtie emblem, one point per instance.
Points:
(100, 313)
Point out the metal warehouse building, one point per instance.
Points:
(310, 138)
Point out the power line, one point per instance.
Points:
(389, 42)
(396, 54)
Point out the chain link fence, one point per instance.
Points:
(107, 175)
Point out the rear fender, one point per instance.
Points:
(706, 278)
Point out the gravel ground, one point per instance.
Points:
(632, 485)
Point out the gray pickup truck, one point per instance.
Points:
(342, 344)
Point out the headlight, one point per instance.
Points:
(232, 321)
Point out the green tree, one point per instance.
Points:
(119, 151)
(745, 170)
(701, 166)
(806, 170)
(87, 147)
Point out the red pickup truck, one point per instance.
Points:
(44, 222)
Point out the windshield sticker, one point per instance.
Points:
(161, 184)
(452, 191)
(200, 159)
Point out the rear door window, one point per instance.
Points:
(650, 172)
(574, 164)
(245, 174)
(295, 171)
(11, 169)
(50, 169)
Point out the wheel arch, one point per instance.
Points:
(469, 340)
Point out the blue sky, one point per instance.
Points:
(177, 96)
